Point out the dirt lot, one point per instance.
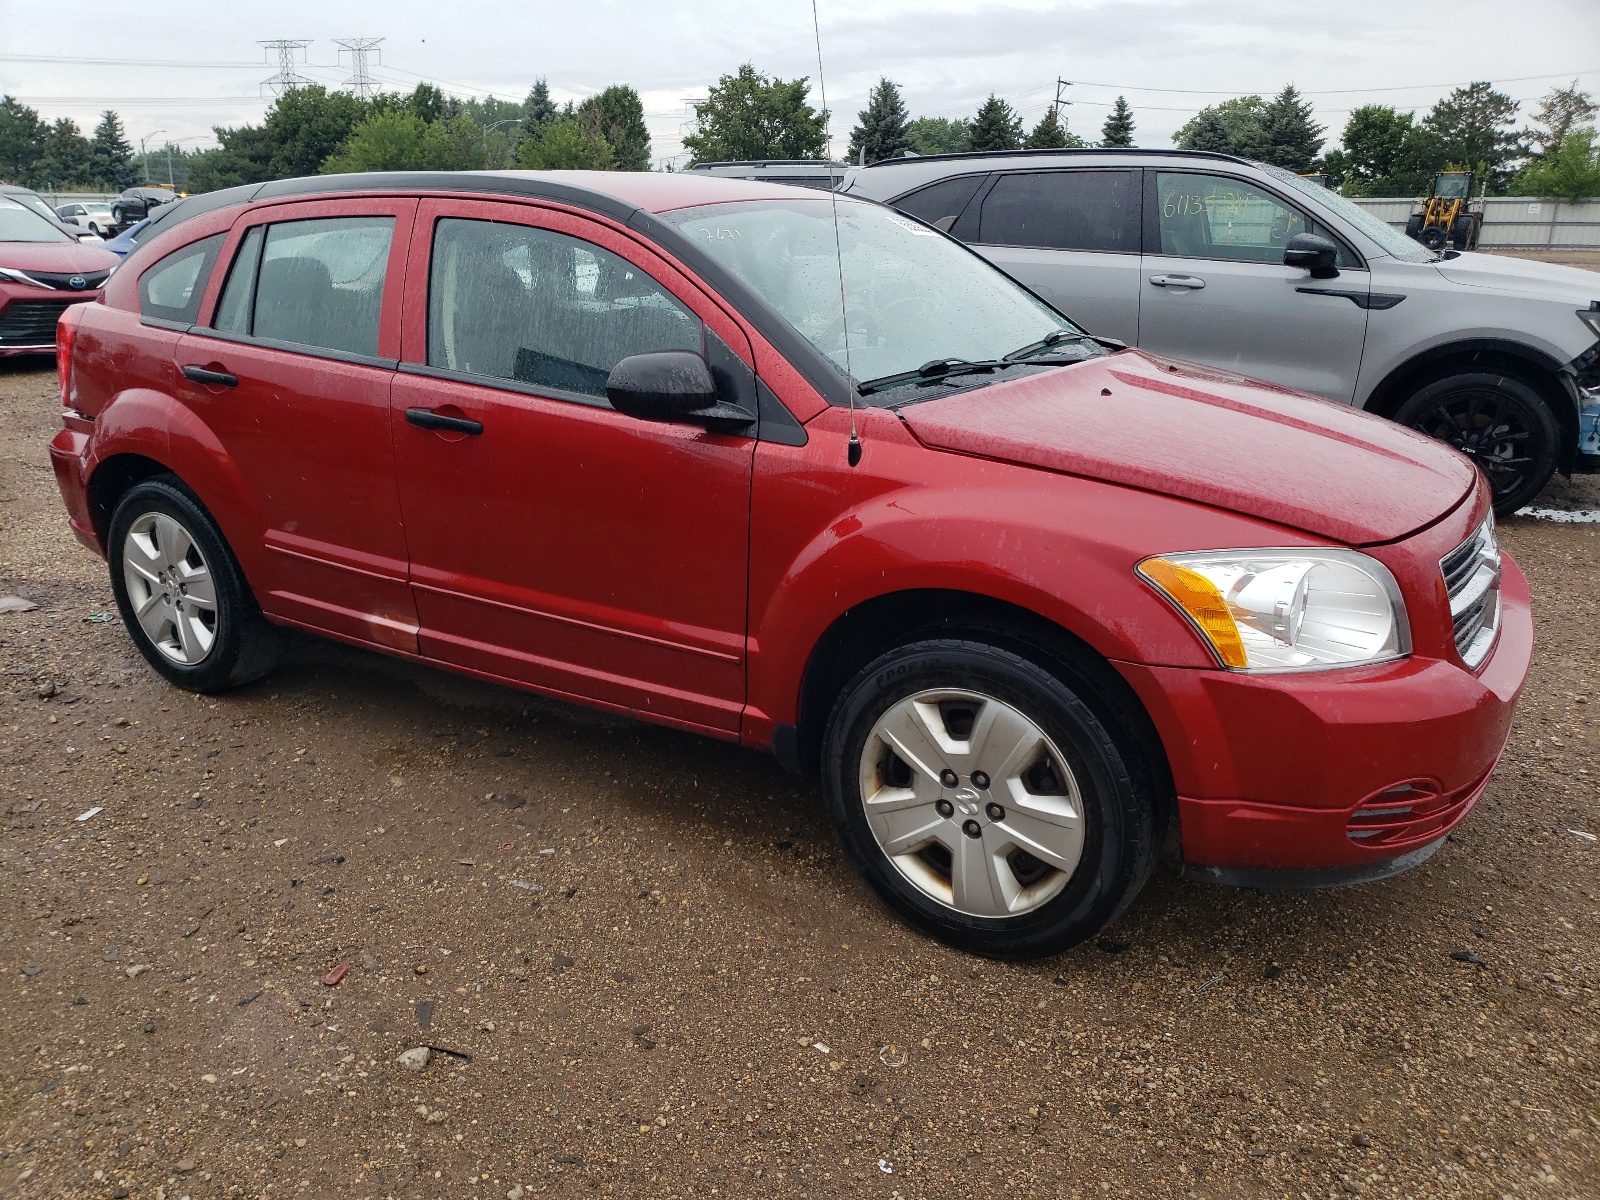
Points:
(647, 972)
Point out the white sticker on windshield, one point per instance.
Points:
(913, 226)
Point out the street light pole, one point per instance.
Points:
(145, 154)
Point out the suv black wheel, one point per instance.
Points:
(1499, 422)
(181, 594)
(984, 800)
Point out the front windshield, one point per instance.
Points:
(1392, 241)
(17, 224)
(913, 295)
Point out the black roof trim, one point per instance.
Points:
(1062, 153)
(769, 162)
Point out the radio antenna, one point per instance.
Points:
(854, 451)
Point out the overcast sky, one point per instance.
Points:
(199, 64)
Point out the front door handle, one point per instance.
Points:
(1178, 281)
(426, 418)
(210, 378)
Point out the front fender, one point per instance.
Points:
(1058, 546)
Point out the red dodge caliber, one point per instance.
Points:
(721, 455)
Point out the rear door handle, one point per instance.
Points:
(426, 418)
(211, 378)
(1178, 281)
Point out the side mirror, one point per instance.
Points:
(1311, 252)
(664, 385)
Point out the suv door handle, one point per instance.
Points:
(1178, 281)
(426, 418)
(211, 378)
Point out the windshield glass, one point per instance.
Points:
(1387, 236)
(912, 294)
(17, 224)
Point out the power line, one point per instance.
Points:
(1406, 87)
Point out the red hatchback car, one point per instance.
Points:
(43, 271)
(716, 454)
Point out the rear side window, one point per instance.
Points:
(310, 283)
(1064, 210)
(539, 307)
(171, 289)
(942, 203)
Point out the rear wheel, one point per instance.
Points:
(181, 594)
(1433, 237)
(1500, 423)
(984, 800)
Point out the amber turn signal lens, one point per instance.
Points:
(1198, 598)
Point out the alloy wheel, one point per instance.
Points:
(170, 588)
(1487, 427)
(972, 802)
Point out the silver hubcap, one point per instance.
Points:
(972, 802)
(170, 588)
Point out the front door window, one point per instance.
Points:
(1210, 216)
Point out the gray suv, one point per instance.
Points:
(1246, 267)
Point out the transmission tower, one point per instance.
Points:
(361, 81)
(286, 78)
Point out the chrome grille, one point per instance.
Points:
(1472, 579)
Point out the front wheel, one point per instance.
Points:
(1500, 423)
(984, 800)
(181, 594)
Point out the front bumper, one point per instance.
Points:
(1341, 775)
(28, 316)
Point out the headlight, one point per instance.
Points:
(1285, 610)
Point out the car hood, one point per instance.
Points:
(1506, 274)
(56, 257)
(1212, 437)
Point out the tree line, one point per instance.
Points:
(751, 115)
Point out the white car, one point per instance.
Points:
(93, 216)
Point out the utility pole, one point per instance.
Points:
(361, 81)
(1061, 101)
(286, 79)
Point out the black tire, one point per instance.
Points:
(1433, 237)
(1499, 422)
(243, 645)
(1119, 816)
(1414, 227)
(1461, 233)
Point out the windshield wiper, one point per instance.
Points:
(1055, 337)
(939, 368)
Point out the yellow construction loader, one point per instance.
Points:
(1447, 218)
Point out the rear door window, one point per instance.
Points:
(941, 204)
(1064, 210)
(171, 289)
(537, 307)
(316, 283)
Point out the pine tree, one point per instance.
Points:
(1289, 137)
(616, 117)
(1117, 132)
(538, 108)
(883, 129)
(996, 127)
(111, 162)
(1051, 134)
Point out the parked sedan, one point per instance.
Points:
(43, 271)
(807, 475)
(1219, 260)
(91, 215)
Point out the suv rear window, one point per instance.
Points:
(1064, 210)
(171, 289)
(941, 204)
(312, 283)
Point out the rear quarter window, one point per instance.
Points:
(1064, 210)
(171, 289)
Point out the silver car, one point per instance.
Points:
(1248, 268)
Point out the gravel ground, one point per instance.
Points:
(644, 970)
